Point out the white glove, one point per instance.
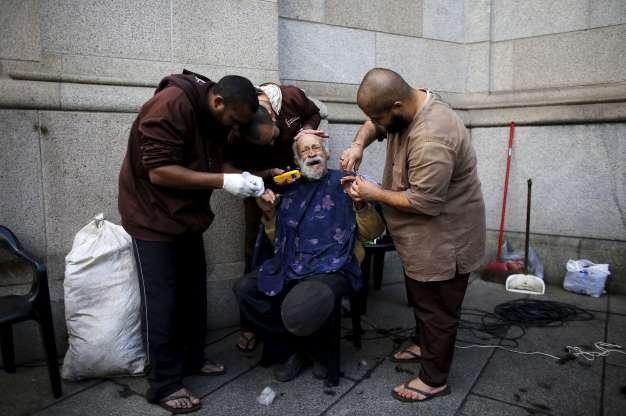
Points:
(243, 184)
(256, 181)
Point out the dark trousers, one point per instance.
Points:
(172, 277)
(437, 307)
(262, 314)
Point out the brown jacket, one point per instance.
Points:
(296, 111)
(173, 128)
(434, 162)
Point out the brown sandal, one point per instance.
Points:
(212, 373)
(427, 396)
(178, 410)
(415, 358)
(249, 344)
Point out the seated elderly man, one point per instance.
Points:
(317, 232)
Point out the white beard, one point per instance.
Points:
(313, 172)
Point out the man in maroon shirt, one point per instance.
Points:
(270, 153)
(172, 164)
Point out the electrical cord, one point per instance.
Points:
(518, 315)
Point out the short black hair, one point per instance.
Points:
(252, 131)
(237, 91)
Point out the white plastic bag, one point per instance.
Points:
(509, 254)
(585, 277)
(102, 304)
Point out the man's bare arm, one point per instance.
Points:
(175, 176)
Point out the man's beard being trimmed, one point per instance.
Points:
(313, 168)
(397, 125)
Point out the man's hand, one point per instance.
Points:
(363, 190)
(268, 202)
(243, 184)
(350, 159)
(304, 131)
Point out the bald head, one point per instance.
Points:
(380, 89)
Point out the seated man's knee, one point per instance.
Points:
(245, 286)
(306, 307)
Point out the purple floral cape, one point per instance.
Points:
(315, 233)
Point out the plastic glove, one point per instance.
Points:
(243, 184)
(258, 186)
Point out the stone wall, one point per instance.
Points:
(557, 68)
(73, 74)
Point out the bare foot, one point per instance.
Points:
(419, 385)
(180, 399)
(409, 353)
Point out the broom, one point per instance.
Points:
(498, 267)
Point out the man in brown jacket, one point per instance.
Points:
(434, 209)
(172, 164)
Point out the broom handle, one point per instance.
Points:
(506, 188)
(526, 243)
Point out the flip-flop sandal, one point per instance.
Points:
(178, 410)
(212, 373)
(250, 344)
(427, 396)
(415, 357)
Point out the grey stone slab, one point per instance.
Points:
(617, 303)
(485, 406)
(323, 90)
(19, 30)
(225, 33)
(224, 240)
(486, 296)
(502, 66)
(81, 157)
(616, 334)
(577, 58)
(305, 53)
(403, 17)
(222, 309)
(29, 390)
(513, 19)
(477, 62)
(151, 72)
(441, 64)
(106, 398)
(303, 396)
(558, 294)
(372, 395)
(138, 30)
(614, 397)
(539, 382)
(443, 19)
(341, 135)
(104, 97)
(312, 10)
(21, 205)
(588, 204)
(477, 23)
(607, 12)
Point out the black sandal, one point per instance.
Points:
(212, 373)
(178, 410)
(250, 344)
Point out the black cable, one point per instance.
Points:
(517, 315)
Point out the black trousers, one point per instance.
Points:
(172, 278)
(262, 314)
(437, 307)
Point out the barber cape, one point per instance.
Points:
(315, 234)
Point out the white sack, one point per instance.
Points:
(102, 304)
